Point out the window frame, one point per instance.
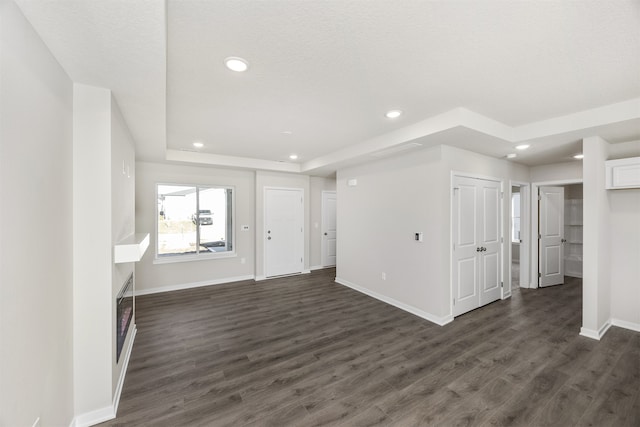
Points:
(200, 256)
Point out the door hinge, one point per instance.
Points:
(502, 240)
(539, 236)
(502, 194)
(502, 284)
(454, 246)
(539, 197)
(454, 301)
(539, 275)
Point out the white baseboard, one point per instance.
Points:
(321, 267)
(109, 412)
(593, 334)
(589, 333)
(441, 321)
(123, 371)
(179, 287)
(94, 417)
(260, 278)
(626, 325)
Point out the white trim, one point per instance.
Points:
(94, 417)
(123, 371)
(178, 287)
(203, 256)
(626, 325)
(441, 321)
(260, 278)
(593, 334)
(525, 234)
(321, 267)
(589, 333)
(323, 243)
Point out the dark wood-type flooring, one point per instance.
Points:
(305, 351)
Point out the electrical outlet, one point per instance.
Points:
(384, 276)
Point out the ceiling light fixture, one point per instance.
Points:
(392, 114)
(198, 144)
(236, 64)
(293, 156)
(287, 132)
(579, 156)
(522, 146)
(512, 156)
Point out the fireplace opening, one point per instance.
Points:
(124, 303)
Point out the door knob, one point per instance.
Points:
(269, 238)
(563, 240)
(477, 249)
(325, 234)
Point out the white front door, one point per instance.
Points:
(284, 231)
(329, 228)
(551, 239)
(477, 247)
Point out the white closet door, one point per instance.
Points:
(489, 241)
(551, 256)
(329, 228)
(466, 258)
(477, 248)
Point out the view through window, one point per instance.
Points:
(194, 220)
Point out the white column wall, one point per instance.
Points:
(36, 224)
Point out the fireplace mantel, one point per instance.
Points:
(131, 249)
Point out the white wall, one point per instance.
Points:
(152, 277)
(316, 186)
(122, 222)
(566, 171)
(624, 214)
(395, 198)
(36, 228)
(282, 180)
(92, 248)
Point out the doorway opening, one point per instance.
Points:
(518, 246)
(557, 251)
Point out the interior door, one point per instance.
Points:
(466, 260)
(284, 231)
(329, 228)
(551, 239)
(489, 241)
(477, 246)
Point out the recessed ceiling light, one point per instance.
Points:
(393, 114)
(512, 156)
(236, 64)
(522, 146)
(287, 132)
(293, 156)
(198, 144)
(579, 156)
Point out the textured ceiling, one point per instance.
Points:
(480, 75)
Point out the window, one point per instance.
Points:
(194, 222)
(515, 217)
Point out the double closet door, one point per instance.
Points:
(477, 247)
